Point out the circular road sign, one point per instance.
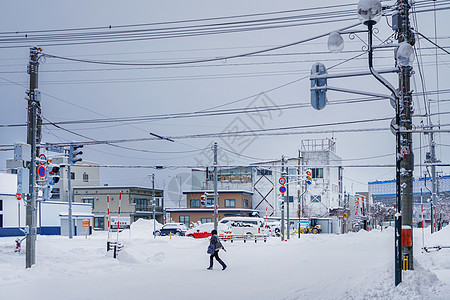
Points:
(18, 196)
(41, 171)
(282, 181)
(282, 189)
(42, 159)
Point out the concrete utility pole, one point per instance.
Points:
(288, 226)
(434, 182)
(283, 174)
(33, 138)
(215, 185)
(404, 34)
(69, 195)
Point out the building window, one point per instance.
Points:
(89, 200)
(55, 194)
(142, 204)
(85, 177)
(184, 220)
(245, 203)
(264, 172)
(229, 203)
(206, 220)
(291, 198)
(1, 221)
(317, 172)
(72, 175)
(195, 202)
(1, 204)
(99, 222)
(316, 198)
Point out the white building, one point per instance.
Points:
(50, 214)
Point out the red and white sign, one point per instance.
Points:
(85, 223)
(42, 159)
(282, 181)
(19, 196)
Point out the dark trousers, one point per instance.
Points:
(216, 255)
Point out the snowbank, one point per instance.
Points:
(352, 266)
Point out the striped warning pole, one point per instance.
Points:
(109, 226)
(118, 220)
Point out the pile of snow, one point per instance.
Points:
(352, 266)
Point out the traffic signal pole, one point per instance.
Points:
(33, 137)
(405, 113)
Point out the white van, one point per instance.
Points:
(244, 225)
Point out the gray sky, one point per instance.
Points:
(75, 91)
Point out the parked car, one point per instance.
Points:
(244, 225)
(204, 231)
(172, 228)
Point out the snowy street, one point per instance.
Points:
(353, 266)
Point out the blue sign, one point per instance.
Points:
(41, 171)
(282, 189)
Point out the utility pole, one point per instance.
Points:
(215, 185)
(69, 195)
(283, 174)
(288, 226)
(33, 138)
(405, 112)
(432, 159)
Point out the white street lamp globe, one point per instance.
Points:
(335, 42)
(405, 55)
(369, 11)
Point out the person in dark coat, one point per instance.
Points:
(217, 246)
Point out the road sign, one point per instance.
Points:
(42, 159)
(282, 181)
(282, 189)
(318, 86)
(19, 196)
(345, 215)
(85, 223)
(41, 171)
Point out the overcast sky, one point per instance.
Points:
(79, 91)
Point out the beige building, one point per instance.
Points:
(135, 202)
(230, 203)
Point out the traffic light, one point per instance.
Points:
(308, 178)
(203, 199)
(74, 152)
(52, 173)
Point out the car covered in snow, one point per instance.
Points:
(204, 231)
(172, 229)
(244, 225)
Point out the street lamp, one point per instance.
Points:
(369, 13)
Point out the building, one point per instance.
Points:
(385, 192)
(135, 202)
(263, 180)
(230, 203)
(52, 216)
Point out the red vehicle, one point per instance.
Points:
(204, 231)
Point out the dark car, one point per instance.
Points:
(172, 229)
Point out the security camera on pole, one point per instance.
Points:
(73, 153)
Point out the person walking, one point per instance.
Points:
(215, 242)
